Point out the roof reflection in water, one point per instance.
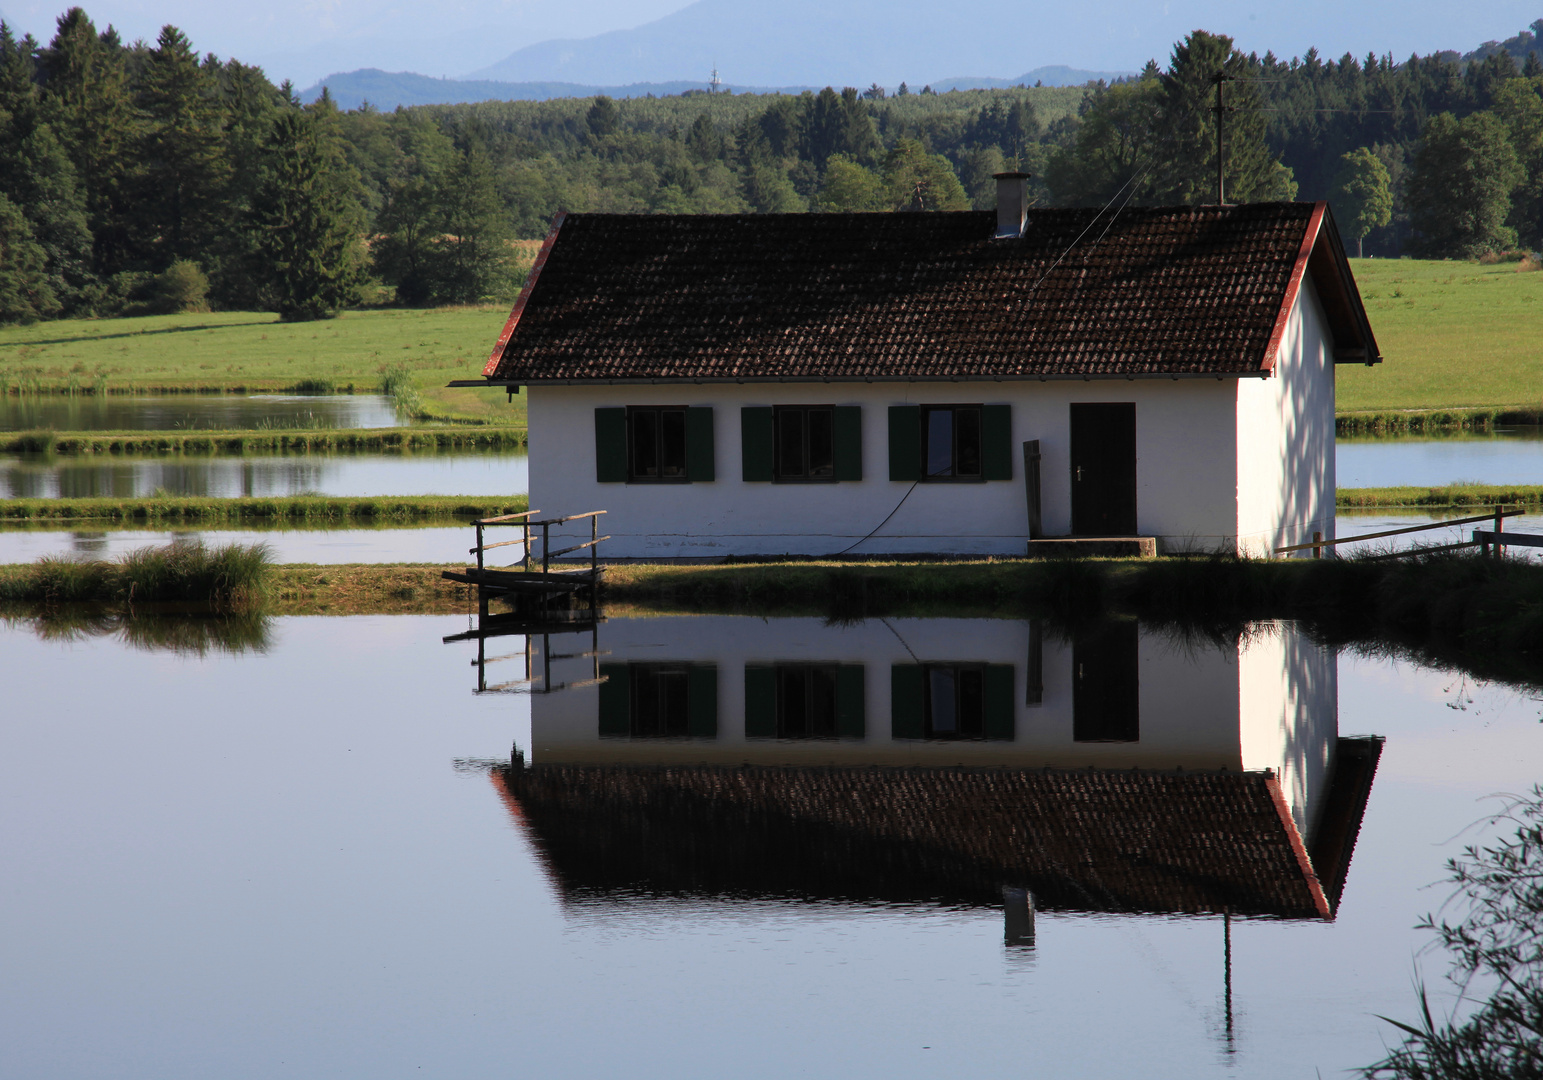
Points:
(1107, 769)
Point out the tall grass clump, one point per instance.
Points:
(232, 577)
(397, 382)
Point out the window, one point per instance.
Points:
(651, 444)
(805, 442)
(801, 443)
(656, 443)
(804, 701)
(952, 701)
(955, 703)
(951, 442)
(659, 701)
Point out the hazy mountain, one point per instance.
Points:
(813, 42)
(387, 89)
(1051, 75)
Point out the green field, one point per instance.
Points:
(1453, 335)
(246, 351)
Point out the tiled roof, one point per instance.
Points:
(1086, 840)
(1149, 292)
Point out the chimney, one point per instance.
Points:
(1012, 202)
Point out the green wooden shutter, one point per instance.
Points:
(755, 443)
(849, 442)
(611, 446)
(615, 700)
(905, 701)
(702, 701)
(851, 708)
(997, 702)
(760, 701)
(997, 442)
(905, 432)
(699, 444)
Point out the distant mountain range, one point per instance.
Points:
(387, 89)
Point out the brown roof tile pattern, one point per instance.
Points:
(1118, 841)
(1191, 290)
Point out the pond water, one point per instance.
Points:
(1509, 456)
(418, 473)
(170, 412)
(208, 875)
(448, 543)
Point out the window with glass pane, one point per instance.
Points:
(955, 703)
(656, 443)
(806, 442)
(951, 442)
(660, 706)
(806, 702)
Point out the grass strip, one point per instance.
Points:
(289, 441)
(228, 577)
(291, 508)
(1470, 496)
(1431, 421)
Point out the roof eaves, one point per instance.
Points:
(1298, 848)
(519, 305)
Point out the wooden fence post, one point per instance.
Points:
(1317, 551)
(1499, 526)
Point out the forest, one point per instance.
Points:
(143, 177)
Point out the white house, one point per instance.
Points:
(937, 382)
(1167, 773)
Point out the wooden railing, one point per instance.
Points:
(1484, 538)
(526, 525)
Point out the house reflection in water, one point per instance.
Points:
(964, 761)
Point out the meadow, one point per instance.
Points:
(238, 352)
(1453, 335)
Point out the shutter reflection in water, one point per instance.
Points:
(967, 762)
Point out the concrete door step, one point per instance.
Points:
(1081, 547)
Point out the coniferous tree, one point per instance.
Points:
(185, 169)
(472, 254)
(25, 295)
(306, 213)
(410, 220)
(87, 102)
(1519, 105)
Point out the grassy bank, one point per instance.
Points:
(288, 441)
(1451, 496)
(1433, 421)
(230, 577)
(1455, 335)
(317, 509)
(253, 351)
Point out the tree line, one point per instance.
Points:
(143, 177)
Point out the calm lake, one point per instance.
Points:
(1509, 456)
(417, 473)
(170, 412)
(760, 848)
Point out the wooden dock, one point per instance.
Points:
(536, 590)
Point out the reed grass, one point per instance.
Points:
(1470, 496)
(307, 509)
(230, 577)
(288, 440)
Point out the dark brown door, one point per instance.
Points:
(1104, 469)
(1106, 683)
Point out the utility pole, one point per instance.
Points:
(1221, 111)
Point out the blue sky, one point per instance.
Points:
(305, 39)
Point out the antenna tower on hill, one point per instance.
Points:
(714, 82)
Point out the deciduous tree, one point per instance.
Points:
(1362, 195)
(1460, 187)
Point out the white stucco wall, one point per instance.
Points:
(1289, 715)
(1269, 704)
(1285, 446)
(1186, 462)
